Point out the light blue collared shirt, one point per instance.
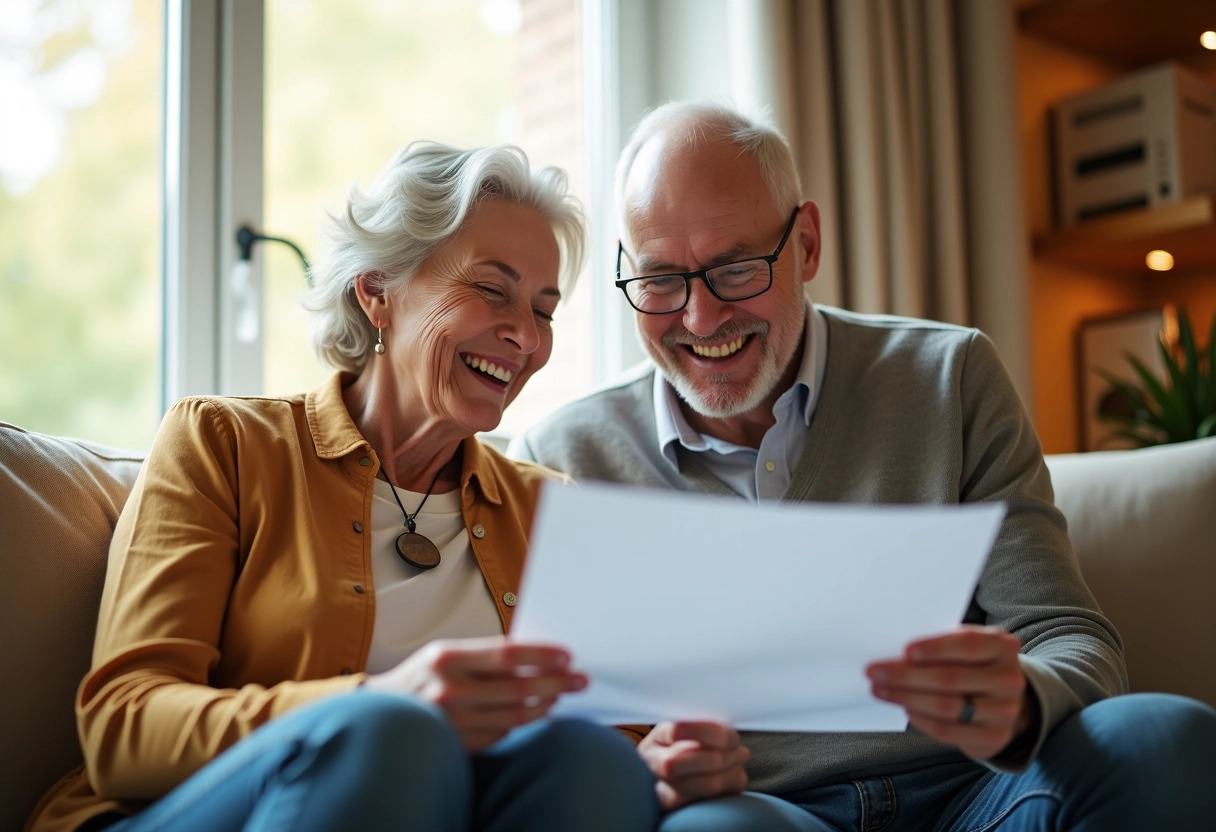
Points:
(762, 474)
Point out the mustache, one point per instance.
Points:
(728, 332)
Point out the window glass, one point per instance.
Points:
(81, 90)
(349, 83)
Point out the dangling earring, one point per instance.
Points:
(379, 341)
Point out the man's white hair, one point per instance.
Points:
(696, 122)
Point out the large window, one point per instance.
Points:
(80, 217)
(348, 84)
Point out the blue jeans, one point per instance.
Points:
(1139, 762)
(369, 761)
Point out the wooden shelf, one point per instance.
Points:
(1118, 244)
(1129, 33)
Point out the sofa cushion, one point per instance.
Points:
(1144, 526)
(59, 501)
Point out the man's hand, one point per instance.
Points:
(694, 761)
(963, 688)
(486, 686)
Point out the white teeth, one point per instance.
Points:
(719, 350)
(487, 367)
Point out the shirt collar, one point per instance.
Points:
(671, 426)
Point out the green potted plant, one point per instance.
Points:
(1180, 407)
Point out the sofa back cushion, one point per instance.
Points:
(59, 501)
(1144, 526)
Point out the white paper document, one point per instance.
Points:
(764, 616)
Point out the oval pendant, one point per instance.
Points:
(417, 551)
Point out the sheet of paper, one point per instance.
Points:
(763, 616)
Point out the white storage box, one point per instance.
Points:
(1143, 140)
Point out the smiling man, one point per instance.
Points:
(754, 392)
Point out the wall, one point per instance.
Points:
(1061, 298)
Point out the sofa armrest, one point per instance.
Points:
(1143, 523)
(59, 501)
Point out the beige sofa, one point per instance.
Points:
(1143, 522)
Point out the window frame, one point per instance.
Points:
(213, 183)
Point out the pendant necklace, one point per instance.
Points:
(415, 549)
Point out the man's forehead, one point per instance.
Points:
(683, 237)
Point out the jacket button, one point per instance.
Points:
(359, 589)
(357, 526)
(479, 531)
(365, 461)
(508, 598)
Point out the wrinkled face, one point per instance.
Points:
(688, 209)
(474, 323)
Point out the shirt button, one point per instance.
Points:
(479, 531)
(508, 598)
(770, 466)
(359, 589)
(365, 461)
(357, 526)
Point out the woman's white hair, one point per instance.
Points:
(693, 123)
(413, 206)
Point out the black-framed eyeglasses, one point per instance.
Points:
(662, 294)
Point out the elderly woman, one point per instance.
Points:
(303, 616)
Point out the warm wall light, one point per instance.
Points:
(1208, 39)
(1159, 261)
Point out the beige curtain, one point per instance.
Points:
(903, 118)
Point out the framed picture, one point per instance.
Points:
(1104, 344)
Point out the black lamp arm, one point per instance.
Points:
(246, 237)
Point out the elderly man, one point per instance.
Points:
(755, 392)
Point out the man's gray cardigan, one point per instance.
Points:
(910, 411)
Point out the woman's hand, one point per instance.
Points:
(486, 686)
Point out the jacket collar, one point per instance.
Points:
(333, 431)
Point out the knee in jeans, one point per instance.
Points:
(575, 738)
(388, 729)
(1162, 735)
(577, 749)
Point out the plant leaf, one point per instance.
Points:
(1191, 370)
(1135, 397)
(1137, 435)
(1206, 428)
(1171, 411)
(1181, 389)
(1209, 404)
(1138, 429)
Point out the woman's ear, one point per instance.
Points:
(369, 288)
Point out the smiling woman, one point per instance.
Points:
(265, 618)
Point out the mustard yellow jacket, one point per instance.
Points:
(239, 586)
